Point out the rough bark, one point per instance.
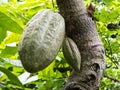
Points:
(82, 29)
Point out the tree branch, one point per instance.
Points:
(112, 79)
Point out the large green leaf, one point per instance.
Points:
(9, 24)
(11, 76)
(2, 34)
(11, 38)
(8, 51)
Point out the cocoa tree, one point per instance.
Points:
(82, 29)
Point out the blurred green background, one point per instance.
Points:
(14, 14)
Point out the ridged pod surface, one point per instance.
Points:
(71, 53)
(41, 40)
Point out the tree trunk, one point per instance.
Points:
(82, 29)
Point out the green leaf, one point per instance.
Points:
(16, 63)
(13, 37)
(11, 76)
(9, 24)
(8, 51)
(13, 2)
(2, 34)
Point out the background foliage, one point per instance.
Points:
(14, 14)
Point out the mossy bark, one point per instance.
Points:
(82, 29)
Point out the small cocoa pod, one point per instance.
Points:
(71, 53)
(41, 40)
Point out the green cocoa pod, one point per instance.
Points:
(71, 53)
(41, 40)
